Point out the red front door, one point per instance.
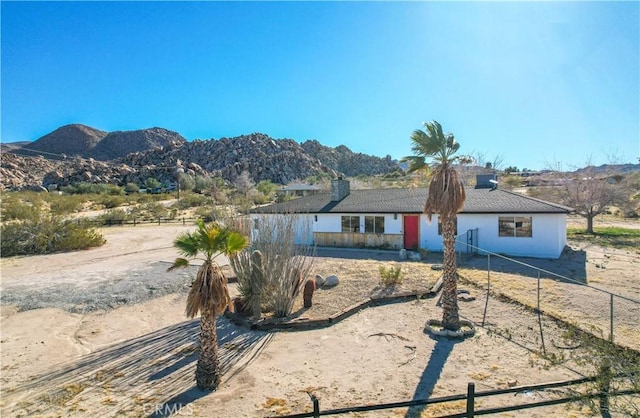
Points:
(411, 232)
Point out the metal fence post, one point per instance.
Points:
(316, 405)
(544, 349)
(611, 316)
(486, 301)
(471, 389)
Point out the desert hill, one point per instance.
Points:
(71, 140)
(78, 153)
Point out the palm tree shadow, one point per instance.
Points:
(431, 374)
(149, 374)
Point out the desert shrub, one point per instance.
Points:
(12, 207)
(191, 200)
(131, 188)
(151, 184)
(155, 211)
(93, 188)
(111, 201)
(202, 184)
(63, 204)
(210, 213)
(113, 216)
(45, 233)
(616, 369)
(186, 182)
(277, 279)
(390, 275)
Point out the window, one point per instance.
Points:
(374, 224)
(350, 224)
(440, 225)
(515, 226)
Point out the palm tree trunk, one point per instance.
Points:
(450, 317)
(208, 368)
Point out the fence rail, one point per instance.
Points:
(470, 410)
(135, 221)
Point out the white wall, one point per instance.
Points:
(547, 241)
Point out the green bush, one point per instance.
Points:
(111, 201)
(191, 200)
(155, 211)
(113, 216)
(15, 208)
(44, 233)
(208, 214)
(390, 276)
(131, 188)
(65, 204)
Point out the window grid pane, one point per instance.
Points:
(524, 227)
(515, 226)
(506, 226)
(369, 224)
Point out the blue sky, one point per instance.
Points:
(535, 83)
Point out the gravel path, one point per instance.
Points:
(120, 288)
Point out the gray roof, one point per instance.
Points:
(412, 200)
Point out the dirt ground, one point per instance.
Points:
(132, 351)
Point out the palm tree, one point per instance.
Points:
(209, 294)
(446, 198)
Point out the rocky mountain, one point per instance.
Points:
(345, 161)
(120, 143)
(133, 156)
(18, 172)
(610, 168)
(69, 140)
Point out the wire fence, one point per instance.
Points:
(605, 314)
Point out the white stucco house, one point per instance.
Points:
(494, 220)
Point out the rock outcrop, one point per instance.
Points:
(133, 156)
(343, 160)
(121, 143)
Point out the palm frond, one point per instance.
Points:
(187, 244)
(209, 291)
(235, 242)
(179, 263)
(415, 163)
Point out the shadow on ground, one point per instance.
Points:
(152, 375)
(571, 267)
(431, 374)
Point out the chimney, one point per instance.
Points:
(486, 181)
(339, 189)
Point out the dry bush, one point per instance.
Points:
(273, 270)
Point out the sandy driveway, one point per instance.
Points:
(138, 359)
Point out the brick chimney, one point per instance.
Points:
(339, 189)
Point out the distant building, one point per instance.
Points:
(300, 190)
